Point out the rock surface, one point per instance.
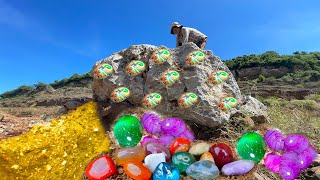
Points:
(192, 79)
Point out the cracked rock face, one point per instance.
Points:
(193, 78)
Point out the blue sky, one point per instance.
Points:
(42, 41)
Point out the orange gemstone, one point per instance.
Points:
(133, 154)
(207, 156)
(137, 171)
(180, 145)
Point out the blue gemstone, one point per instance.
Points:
(165, 171)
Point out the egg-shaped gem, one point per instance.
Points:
(169, 77)
(306, 157)
(152, 100)
(296, 143)
(137, 171)
(160, 56)
(222, 154)
(120, 94)
(135, 67)
(128, 131)
(102, 71)
(173, 126)
(272, 162)
(251, 146)
(131, 154)
(289, 170)
(195, 57)
(151, 123)
(228, 103)
(101, 168)
(218, 77)
(187, 100)
(180, 145)
(274, 139)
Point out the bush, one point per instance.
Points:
(24, 89)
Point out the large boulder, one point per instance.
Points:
(193, 78)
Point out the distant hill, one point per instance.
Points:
(267, 74)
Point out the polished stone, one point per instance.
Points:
(165, 171)
(203, 170)
(133, 154)
(182, 160)
(199, 148)
(180, 145)
(137, 171)
(101, 168)
(154, 148)
(222, 154)
(207, 156)
(236, 168)
(153, 160)
(251, 146)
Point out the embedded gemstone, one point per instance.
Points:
(165, 171)
(236, 168)
(137, 171)
(128, 131)
(222, 154)
(133, 154)
(101, 168)
(203, 170)
(251, 146)
(182, 160)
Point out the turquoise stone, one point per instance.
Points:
(182, 160)
(128, 131)
(203, 170)
(165, 171)
(251, 146)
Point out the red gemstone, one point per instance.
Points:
(180, 145)
(222, 154)
(101, 168)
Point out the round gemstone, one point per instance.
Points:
(128, 131)
(222, 154)
(251, 146)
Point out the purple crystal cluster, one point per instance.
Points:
(297, 154)
(164, 131)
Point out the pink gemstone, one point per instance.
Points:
(148, 139)
(272, 162)
(155, 148)
(166, 139)
(306, 157)
(173, 126)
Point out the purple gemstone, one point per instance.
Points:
(166, 139)
(274, 140)
(148, 139)
(272, 162)
(154, 148)
(188, 135)
(173, 126)
(239, 167)
(289, 170)
(151, 123)
(291, 157)
(296, 143)
(306, 157)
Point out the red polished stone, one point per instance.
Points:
(101, 168)
(222, 154)
(180, 145)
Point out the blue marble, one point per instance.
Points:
(165, 171)
(203, 170)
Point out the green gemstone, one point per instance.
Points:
(251, 146)
(182, 160)
(128, 131)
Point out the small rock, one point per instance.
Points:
(133, 154)
(199, 148)
(165, 171)
(207, 156)
(71, 105)
(154, 148)
(203, 170)
(137, 171)
(101, 168)
(153, 160)
(239, 167)
(182, 160)
(1, 118)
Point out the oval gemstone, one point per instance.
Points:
(195, 57)
(180, 145)
(133, 154)
(160, 56)
(199, 148)
(204, 170)
(251, 146)
(275, 140)
(137, 171)
(222, 154)
(153, 160)
(152, 100)
(165, 171)
(102, 71)
(120, 94)
(207, 156)
(135, 67)
(166, 139)
(272, 162)
(173, 126)
(128, 131)
(218, 77)
(169, 77)
(296, 143)
(306, 157)
(101, 168)
(236, 168)
(228, 103)
(151, 123)
(187, 100)
(289, 170)
(182, 160)
(154, 148)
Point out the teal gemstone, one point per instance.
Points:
(128, 131)
(182, 160)
(203, 170)
(251, 146)
(165, 171)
